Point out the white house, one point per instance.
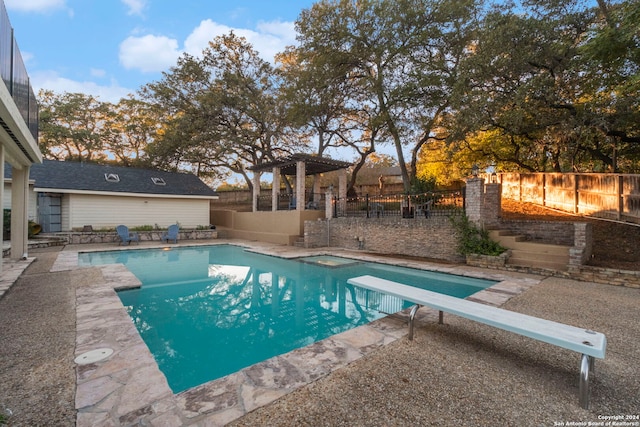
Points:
(72, 195)
(18, 132)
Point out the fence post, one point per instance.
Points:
(576, 193)
(620, 185)
(366, 204)
(544, 189)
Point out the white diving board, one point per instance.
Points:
(586, 342)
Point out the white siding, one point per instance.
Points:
(64, 213)
(110, 211)
(33, 201)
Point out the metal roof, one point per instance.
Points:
(313, 164)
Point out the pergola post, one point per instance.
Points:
(316, 188)
(275, 189)
(300, 190)
(256, 189)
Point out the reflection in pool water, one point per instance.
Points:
(206, 312)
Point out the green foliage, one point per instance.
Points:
(544, 85)
(421, 185)
(143, 228)
(33, 229)
(474, 240)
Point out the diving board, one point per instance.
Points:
(586, 342)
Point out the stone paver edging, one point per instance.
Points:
(128, 387)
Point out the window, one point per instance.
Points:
(158, 181)
(112, 177)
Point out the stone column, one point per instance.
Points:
(492, 206)
(300, 190)
(275, 189)
(328, 205)
(19, 212)
(473, 201)
(256, 189)
(342, 189)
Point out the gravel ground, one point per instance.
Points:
(468, 374)
(38, 335)
(460, 373)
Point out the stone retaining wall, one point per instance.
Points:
(74, 237)
(432, 237)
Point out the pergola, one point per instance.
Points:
(299, 165)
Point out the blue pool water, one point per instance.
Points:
(206, 312)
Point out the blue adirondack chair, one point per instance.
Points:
(125, 236)
(171, 234)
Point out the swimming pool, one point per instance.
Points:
(205, 312)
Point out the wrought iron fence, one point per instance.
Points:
(287, 201)
(425, 205)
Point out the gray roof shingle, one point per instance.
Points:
(77, 176)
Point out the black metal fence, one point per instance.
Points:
(425, 205)
(288, 202)
(14, 74)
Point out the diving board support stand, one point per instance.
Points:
(588, 343)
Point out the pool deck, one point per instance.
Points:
(351, 377)
(128, 387)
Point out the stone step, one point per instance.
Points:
(299, 243)
(532, 254)
(517, 242)
(537, 263)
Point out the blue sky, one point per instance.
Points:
(110, 48)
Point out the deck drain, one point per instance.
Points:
(93, 356)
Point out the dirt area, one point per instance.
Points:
(615, 245)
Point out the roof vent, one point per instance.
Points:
(112, 177)
(158, 181)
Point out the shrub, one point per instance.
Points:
(474, 240)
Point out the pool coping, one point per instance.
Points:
(128, 387)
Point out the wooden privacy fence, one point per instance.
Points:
(603, 195)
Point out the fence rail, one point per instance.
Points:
(611, 196)
(441, 203)
(288, 202)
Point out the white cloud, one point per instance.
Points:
(268, 39)
(52, 81)
(96, 72)
(34, 5)
(159, 53)
(135, 6)
(149, 53)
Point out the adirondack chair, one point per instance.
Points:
(171, 234)
(125, 236)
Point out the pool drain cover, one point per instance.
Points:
(93, 356)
